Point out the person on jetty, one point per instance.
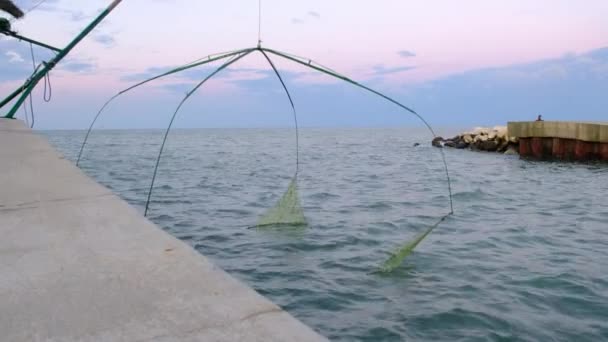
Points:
(539, 118)
(9, 7)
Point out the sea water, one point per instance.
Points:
(523, 258)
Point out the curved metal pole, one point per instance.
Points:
(162, 146)
(346, 79)
(86, 137)
(200, 61)
(309, 61)
(293, 107)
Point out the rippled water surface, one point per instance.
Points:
(525, 258)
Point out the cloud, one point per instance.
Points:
(406, 53)
(252, 80)
(77, 15)
(382, 70)
(14, 57)
(148, 73)
(184, 80)
(314, 14)
(37, 5)
(197, 73)
(104, 39)
(565, 88)
(601, 54)
(570, 66)
(78, 66)
(180, 88)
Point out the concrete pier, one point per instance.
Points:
(560, 140)
(77, 263)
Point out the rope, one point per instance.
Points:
(162, 146)
(259, 23)
(200, 61)
(32, 111)
(26, 84)
(295, 117)
(30, 96)
(47, 83)
(29, 10)
(48, 90)
(26, 115)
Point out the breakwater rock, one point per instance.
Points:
(495, 139)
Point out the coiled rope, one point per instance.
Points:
(30, 97)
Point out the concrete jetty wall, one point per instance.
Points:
(78, 263)
(560, 140)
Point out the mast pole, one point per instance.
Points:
(29, 85)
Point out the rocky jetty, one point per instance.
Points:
(495, 139)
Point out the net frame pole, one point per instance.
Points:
(199, 62)
(188, 95)
(348, 80)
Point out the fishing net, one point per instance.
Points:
(287, 211)
(397, 257)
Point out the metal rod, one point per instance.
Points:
(35, 42)
(51, 64)
(15, 93)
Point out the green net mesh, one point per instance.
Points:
(287, 211)
(397, 257)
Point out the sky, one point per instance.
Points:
(457, 63)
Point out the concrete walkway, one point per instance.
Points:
(79, 263)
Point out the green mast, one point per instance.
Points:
(31, 83)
